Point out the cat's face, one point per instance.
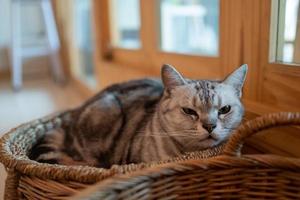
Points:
(199, 113)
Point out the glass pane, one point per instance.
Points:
(83, 41)
(288, 31)
(125, 23)
(190, 26)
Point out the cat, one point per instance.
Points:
(147, 120)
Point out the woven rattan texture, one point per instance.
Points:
(32, 180)
(227, 176)
(210, 179)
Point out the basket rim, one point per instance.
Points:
(254, 161)
(84, 174)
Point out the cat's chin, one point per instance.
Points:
(208, 142)
(211, 141)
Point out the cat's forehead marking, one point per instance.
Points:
(205, 91)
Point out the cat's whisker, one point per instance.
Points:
(231, 129)
(181, 132)
(167, 136)
(172, 134)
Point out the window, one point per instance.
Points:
(125, 23)
(286, 31)
(144, 34)
(190, 26)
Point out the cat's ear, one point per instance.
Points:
(237, 78)
(171, 77)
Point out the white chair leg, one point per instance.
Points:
(52, 40)
(16, 45)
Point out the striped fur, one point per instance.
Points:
(143, 121)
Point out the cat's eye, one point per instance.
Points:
(224, 110)
(189, 111)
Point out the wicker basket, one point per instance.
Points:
(228, 176)
(28, 179)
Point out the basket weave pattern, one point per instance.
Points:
(227, 176)
(32, 180)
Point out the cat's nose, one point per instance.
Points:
(209, 127)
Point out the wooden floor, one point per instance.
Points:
(38, 98)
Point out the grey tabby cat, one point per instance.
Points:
(147, 120)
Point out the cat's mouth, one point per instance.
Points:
(211, 137)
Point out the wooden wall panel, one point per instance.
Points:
(281, 90)
(281, 140)
(111, 73)
(250, 46)
(232, 34)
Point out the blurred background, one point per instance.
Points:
(54, 54)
